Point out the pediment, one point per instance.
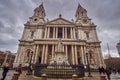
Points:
(60, 21)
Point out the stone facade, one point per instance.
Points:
(40, 37)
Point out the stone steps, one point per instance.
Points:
(59, 72)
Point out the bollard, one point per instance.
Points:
(74, 77)
(103, 77)
(43, 77)
(15, 76)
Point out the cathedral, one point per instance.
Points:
(76, 40)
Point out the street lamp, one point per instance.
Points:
(29, 72)
(88, 65)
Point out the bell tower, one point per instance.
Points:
(38, 17)
(40, 11)
(81, 17)
(81, 12)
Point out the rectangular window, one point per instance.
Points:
(43, 32)
(60, 32)
(76, 34)
(68, 33)
(32, 34)
(51, 32)
(87, 36)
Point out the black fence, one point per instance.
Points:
(58, 71)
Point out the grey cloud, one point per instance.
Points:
(104, 13)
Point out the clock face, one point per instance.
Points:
(35, 20)
(85, 21)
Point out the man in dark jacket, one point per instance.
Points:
(108, 73)
(5, 71)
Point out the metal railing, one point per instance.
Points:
(58, 71)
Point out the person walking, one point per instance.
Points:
(100, 71)
(108, 73)
(5, 71)
(103, 70)
(20, 69)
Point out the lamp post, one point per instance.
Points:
(88, 66)
(29, 72)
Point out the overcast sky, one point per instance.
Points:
(104, 13)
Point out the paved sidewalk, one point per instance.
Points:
(95, 76)
(23, 76)
(8, 76)
(115, 76)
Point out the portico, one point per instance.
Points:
(41, 36)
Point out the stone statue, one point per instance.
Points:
(66, 60)
(52, 60)
(59, 45)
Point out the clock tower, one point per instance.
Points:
(38, 16)
(78, 39)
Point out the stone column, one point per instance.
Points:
(53, 47)
(71, 33)
(43, 52)
(74, 33)
(35, 48)
(82, 55)
(96, 57)
(73, 58)
(36, 54)
(63, 35)
(84, 49)
(45, 32)
(63, 48)
(34, 51)
(46, 53)
(48, 32)
(66, 47)
(66, 32)
(76, 57)
(54, 32)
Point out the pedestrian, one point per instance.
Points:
(100, 71)
(103, 70)
(114, 71)
(108, 73)
(19, 69)
(31, 69)
(5, 71)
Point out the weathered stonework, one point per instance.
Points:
(40, 38)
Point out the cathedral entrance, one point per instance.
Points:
(39, 59)
(59, 66)
(59, 58)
